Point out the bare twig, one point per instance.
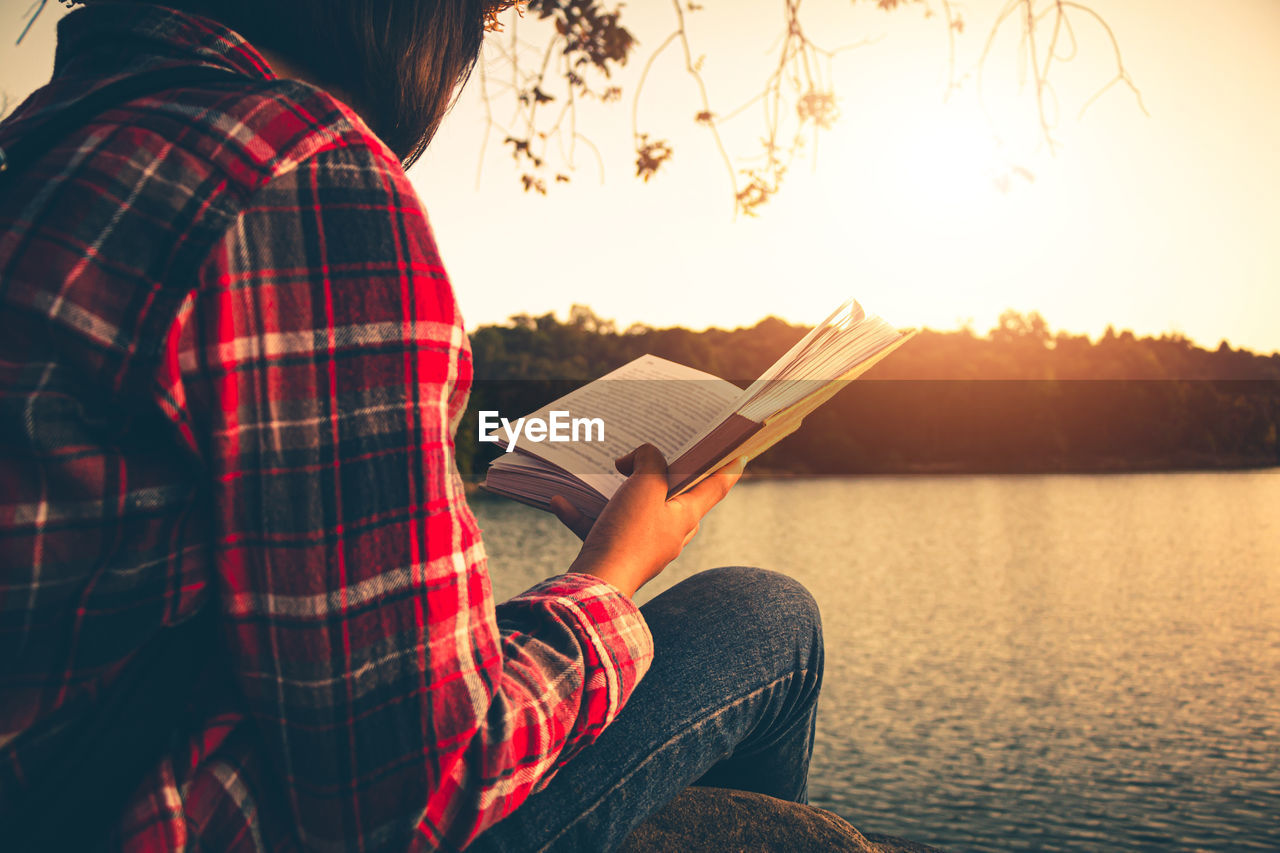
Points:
(1057, 14)
(796, 98)
(1122, 75)
(33, 11)
(706, 117)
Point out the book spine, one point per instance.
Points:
(707, 455)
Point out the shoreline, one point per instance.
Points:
(472, 486)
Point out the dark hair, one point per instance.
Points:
(403, 59)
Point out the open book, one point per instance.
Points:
(698, 421)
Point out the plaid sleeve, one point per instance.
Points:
(322, 367)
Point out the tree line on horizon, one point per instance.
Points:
(1020, 398)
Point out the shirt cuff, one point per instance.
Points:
(616, 636)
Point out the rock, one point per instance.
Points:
(714, 820)
(889, 844)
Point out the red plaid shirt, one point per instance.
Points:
(231, 365)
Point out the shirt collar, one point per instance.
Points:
(106, 39)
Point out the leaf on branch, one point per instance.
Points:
(753, 195)
(590, 40)
(518, 147)
(891, 5)
(533, 183)
(818, 107)
(761, 187)
(592, 36)
(491, 22)
(650, 155)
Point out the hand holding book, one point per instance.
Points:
(641, 531)
(698, 422)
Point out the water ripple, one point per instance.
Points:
(1019, 663)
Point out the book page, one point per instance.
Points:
(696, 420)
(831, 350)
(847, 338)
(531, 480)
(647, 400)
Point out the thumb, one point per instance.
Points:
(645, 459)
(570, 517)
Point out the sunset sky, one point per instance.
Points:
(1163, 223)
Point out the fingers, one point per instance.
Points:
(702, 497)
(645, 459)
(570, 517)
(688, 537)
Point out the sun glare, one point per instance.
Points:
(916, 223)
(952, 164)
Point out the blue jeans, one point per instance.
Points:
(730, 702)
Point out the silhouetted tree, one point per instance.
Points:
(945, 402)
(575, 46)
(556, 55)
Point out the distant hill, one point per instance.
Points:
(1019, 399)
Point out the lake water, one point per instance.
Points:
(1018, 662)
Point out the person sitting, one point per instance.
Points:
(244, 603)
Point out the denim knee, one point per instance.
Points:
(758, 588)
(768, 598)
